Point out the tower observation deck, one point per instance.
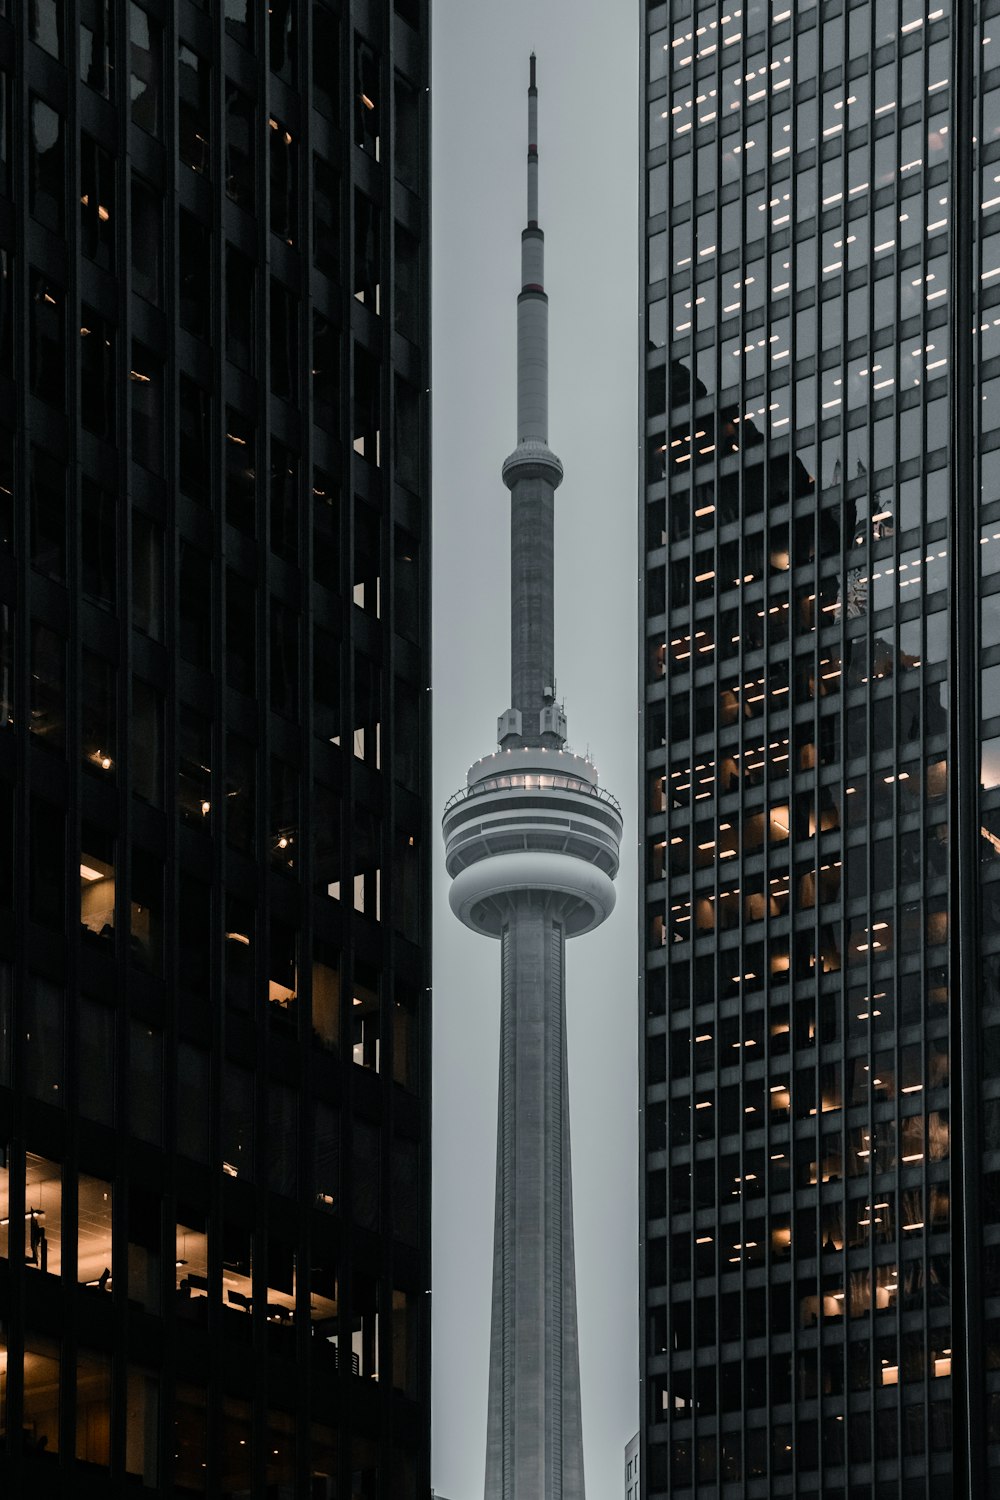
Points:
(532, 849)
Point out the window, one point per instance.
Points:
(194, 766)
(147, 575)
(97, 374)
(146, 67)
(46, 26)
(326, 60)
(98, 714)
(367, 94)
(95, 61)
(325, 373)
(97, 883)
(97, 203)
(283, 156)
(48, 340)
(406, 135)
(48, 686)
(193, 108)
(46, 165)
(284, 501)
(326, 218)
(281, 24)
(241, 285)
(284, 341)
(240, 138)
(41, 1395)
(147, 241)
(98, 544)
(195, 463)
(47, 514)
(326, 995)
(195, 606)
(239, 21)
(146, 391)
(241, 473)
(366, 422)
(195, 273)
(367, 252)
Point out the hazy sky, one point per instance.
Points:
(588, 111)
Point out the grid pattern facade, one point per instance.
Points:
(214, 735)
(821, 750)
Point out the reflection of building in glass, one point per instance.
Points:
(214, 498)
(821, 757)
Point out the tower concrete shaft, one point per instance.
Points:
(534, 1444)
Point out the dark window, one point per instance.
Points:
(365, 408)
(326, 60)
(406, 434)
(97, 203)
(367, 252)
(283, 157)
(193, 108)
(47, 499)
(241, 473)
(48, 340)
(45, 26)
(326, 686)
(239, 21)
(147, 575)
(241, 634)
(6, 312)
(241, 784)
(406, 135)
(241, 284)
(194, 766)
(95, 52)
(326, 530)
(47, 863)
(195, 274)
(97, 373)
(98, 543)
(283, 834)
(406, 284)
(326, 373)
(281, 27)
(284, 659)
(326, 218)
(48, 686)
(146, 911)
(147, 241)
(240, 137)
(6, 121)
(98, 715)
(284, 341)
(146, 69)
(146, 391)
(284, 501)
(46, 165)
(146, 743)
(406, 583)
(367, 96)
(195, 440)
(195, 606)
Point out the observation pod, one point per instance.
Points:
(532, 847)
(532, 821)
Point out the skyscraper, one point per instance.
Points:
(214, 1038)
(532, 848)
(821, 755)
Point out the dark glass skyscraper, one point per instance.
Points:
(821, 757)
(214, 1033)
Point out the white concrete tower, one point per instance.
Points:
(532, 848)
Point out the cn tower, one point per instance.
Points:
(532, 850)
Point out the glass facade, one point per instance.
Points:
(214, 734)
(821, 749)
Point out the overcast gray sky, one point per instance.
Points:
(587, 75)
